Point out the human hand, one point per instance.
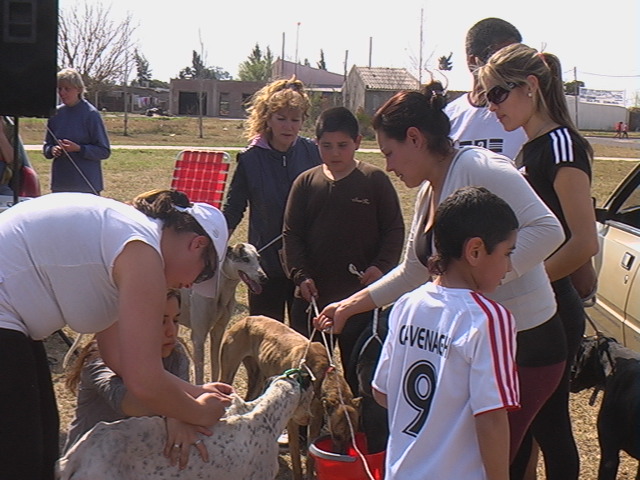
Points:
(180, 437)
(218, 387)
(308, 289)
(331, 319)
(370, 275)
(215, 403)
(69, 146)
(56, 151)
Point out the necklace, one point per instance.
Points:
(546, 126)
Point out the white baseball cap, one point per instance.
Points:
(214, 224)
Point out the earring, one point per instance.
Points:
(529, 94)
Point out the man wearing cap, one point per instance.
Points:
(99, 266)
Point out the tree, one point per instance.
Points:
(199, 70)
(97, 46)
(257, 67)
(573, 87)
(143, 72)
(444, 62)
(322, 64)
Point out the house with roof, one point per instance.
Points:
(367, 88)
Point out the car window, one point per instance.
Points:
(629, 211)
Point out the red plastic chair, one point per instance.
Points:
(202, 175)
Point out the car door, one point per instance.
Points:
(617, 309)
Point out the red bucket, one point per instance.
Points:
(335, 466)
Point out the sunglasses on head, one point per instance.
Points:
(207, 272)
(499, 94)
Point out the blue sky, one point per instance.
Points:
(602, 41)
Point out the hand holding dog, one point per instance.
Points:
(180, 437)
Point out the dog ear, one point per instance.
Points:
(357, 402)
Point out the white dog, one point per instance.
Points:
(210, 316)
(243, 445)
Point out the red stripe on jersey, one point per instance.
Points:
(501, 349)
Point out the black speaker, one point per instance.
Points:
(28, 48)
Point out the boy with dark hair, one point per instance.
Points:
(447, 370)
(341, 213)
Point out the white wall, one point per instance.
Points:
(594, 116)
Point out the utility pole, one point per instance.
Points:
(420, 54)
(577, 97)
(370, 50)
(281, 72)
(126, 94)
(346, 60)
(295, 71)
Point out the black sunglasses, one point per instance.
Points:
(499, 94)
(207, 272)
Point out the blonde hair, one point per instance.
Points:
(278, 95)
(73, 78)
(514, 63)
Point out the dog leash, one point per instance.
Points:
(314, 307)
(94, 191)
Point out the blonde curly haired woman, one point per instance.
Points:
(276, 155)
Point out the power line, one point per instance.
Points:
(612, 76)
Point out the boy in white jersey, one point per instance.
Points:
(447, 369)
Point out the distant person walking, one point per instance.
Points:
(625, 130)
(76, 139)
(618, 129)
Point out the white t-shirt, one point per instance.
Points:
(449, 355)
(478, 126)
(57, 258)
(526, 290)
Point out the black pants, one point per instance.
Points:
(29, 423)
(275, 299)
(346, 339)
(552, 426)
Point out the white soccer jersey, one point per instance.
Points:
(477, 126)
(449, 355)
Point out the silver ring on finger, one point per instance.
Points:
(177, 445)
(198, 442)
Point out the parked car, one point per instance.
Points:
(29, 185)
(617, 309)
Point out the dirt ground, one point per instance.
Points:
(583, 415)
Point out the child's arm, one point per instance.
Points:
(492, 429)
(379, 397)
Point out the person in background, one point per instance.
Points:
(276, 155)
(625, 130)
(450, 396)
(99, 266)
(413, 134)
(76, 139)
(471, 121)
(525, 90)
(101, 393)
(6, 160)
(342, 214)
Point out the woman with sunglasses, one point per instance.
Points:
(525, 89)
(413, 135)
(99, 266)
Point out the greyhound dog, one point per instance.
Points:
(210, 316)
(243, 444)
(606, 365)
(264, 346)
